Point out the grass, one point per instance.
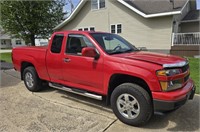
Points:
(6, 57)
(195, 71)
(194, 68)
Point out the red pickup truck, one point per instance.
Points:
(105, 66)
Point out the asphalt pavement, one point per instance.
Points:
(5, 65)
(56, 110)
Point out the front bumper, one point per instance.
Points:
(176, 101)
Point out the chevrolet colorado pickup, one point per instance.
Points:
(105, 66)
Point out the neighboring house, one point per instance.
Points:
(144, 23)
(7, 41)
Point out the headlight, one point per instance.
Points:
(169, 72)
(171, 84)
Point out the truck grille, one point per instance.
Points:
(186, 78)
(185, 68)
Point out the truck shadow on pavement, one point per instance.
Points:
(86, 101)
(185, 118)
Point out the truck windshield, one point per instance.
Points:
(112, 43)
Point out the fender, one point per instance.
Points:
(138, 72)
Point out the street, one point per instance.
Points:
(56, 110)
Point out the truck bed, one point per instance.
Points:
(36, 55)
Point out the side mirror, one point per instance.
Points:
(90, 52)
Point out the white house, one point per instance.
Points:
(153, 24)
(7, 41)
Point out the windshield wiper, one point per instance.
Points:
(121, 51)
(116, 52)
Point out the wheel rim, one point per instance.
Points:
(128, 106)
(29, 79)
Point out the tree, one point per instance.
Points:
(31, 19)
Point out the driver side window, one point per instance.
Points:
(75, 44)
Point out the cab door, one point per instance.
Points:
(54, 58)
(80, 71)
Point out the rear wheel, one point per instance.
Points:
(31, 80)
(131, 104)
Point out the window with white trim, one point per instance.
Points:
(98, 4)
(116, 28)
(87, 29)
(18, 42)
(92, 29)
(3, 42)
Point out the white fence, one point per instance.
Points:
(186, 38)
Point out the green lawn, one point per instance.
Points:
(6, 57)
(195, 71)
(194, 68)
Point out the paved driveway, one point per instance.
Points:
(55, 110)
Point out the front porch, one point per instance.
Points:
(186, 44)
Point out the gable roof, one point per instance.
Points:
(156, 6)
(145, 8)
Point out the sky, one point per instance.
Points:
(198, 4)
(68, 6)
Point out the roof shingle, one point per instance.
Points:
(156, 6)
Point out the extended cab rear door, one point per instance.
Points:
(54, 57)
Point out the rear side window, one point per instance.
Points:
(57, 43)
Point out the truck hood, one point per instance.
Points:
(157, 58)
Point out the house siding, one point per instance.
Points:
(152, 33)
(11, 43)
(189, 27)
(7, 44)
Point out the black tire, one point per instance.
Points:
(143, 107)
(36, 84)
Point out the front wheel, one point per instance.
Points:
(131, 104)
(31, 79)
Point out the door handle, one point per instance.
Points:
(66, 60)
